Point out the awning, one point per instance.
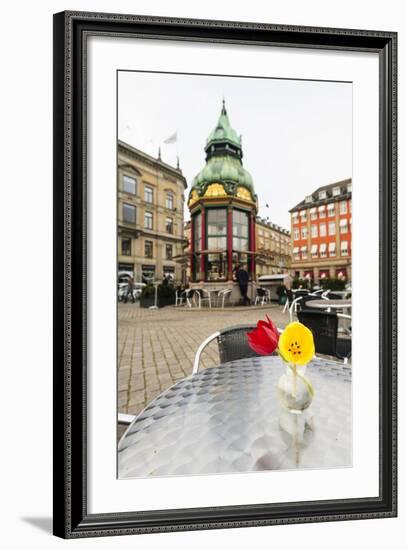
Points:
(344, 245)
(303, 249)
(314, 249)
(331, 247)
(322, 247)
(296, 250)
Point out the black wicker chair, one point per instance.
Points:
(232, 345)
(324, 326)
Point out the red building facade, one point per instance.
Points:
(321, 230)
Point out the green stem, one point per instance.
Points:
(306, 382)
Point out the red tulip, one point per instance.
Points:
(264, 338)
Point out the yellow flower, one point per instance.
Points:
(296, 344)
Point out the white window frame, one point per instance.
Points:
(314, 230)
(148, 190)
(296, 234)
(332, 250)
(322, 195)
(331, 209)
(304, 232)
(330, 231)
(134, 180)
(344, 249)
(336, 191)
(343, 207)
(322, 250)
(314, 251)
(322, 232)
(148, 216)
(134, 209)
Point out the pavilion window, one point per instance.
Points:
(197, 221)
(217, 229)
(241, 231)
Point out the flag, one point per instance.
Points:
(171, 139)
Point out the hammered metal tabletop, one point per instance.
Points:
(229, 419)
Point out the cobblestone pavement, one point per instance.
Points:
(157, 347)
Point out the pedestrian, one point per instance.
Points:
(130, 289)
(242, 278)
(288, 283)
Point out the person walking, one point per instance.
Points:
(242, 278)
(288, 284)
(130, 288)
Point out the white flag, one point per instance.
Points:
(171, 139)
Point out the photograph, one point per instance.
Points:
(234, 274)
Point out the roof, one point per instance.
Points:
(316, 201)
(223, 132)
(149, 159)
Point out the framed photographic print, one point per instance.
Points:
(225, 274)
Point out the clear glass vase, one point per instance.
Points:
(295, 390)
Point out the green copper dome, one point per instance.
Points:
(223, 132)
(223, 162)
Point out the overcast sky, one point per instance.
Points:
(296, 135)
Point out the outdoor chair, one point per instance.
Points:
(232, 345)
(223, 295)
(300, 303)
(179, 297)
(202, 296)
(261, 296)
(324, 326)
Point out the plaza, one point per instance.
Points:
(156, 348)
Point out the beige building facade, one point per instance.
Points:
(273, 247)
(150, 216)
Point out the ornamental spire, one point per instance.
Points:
(224, 112)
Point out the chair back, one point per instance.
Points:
(302, 304)
(261, 291)
(324, 327)
(233, 344)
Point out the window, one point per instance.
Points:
(344, 248)
(148, 273)
(169, 225)
(314, 230)
(197, 232)
(148, 194)
(321, 210)
(322, 230)
(331, 209)
(331, 228)
(148, 249)
(217, 228)
(343, 207)
(349, 188)
(296, 234)
(295, 217)
(304, 252)
(303, 215)
(322, 250)
(126, 247)
(296, 253)
(331, 250)
(304, 232)
(343, 224)
(336, 191)
(129, 213)
(148, 220)
(169, 201)
(313, 213)
(168, 251)
(240, 231)
(314, 251)
(308, 198)
(129, 185)
(322, 195)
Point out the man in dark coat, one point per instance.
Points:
(242, 277)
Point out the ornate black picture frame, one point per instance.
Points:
(71, 517)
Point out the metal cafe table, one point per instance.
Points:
(229, 419)
(330, 304)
